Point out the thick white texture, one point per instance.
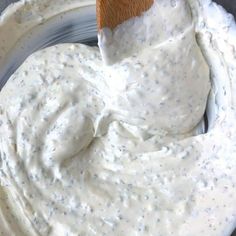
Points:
(81, 153)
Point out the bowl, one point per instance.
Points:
(75, 26)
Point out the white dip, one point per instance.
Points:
(90, 149)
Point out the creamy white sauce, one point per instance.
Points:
(89, 149)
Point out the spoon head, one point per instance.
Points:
(111, 13)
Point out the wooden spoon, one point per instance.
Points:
(111, 13)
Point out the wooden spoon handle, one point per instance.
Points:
(111, 13)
